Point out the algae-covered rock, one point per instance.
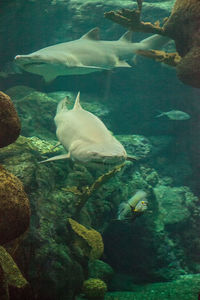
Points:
(9, 121)
(94, 289)
(14, 207)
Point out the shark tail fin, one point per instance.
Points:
(155, 41)
(126, 37)
(77, 104)
(161, 113)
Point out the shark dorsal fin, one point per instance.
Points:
(77, 102)
(126, 37)
(93, 34)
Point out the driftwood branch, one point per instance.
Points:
(87, 191)
(171, 59)
(130, 19)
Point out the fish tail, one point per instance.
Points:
(161, 113)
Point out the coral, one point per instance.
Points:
(183, 26)
(9, 122)
(91, 237)
(14, 207)
(94, 288)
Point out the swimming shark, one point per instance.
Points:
(86, 55)
(85, 137)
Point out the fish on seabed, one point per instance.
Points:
(85, 55)
(175, 115)
(85, 137)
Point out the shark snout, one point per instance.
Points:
(22, 59)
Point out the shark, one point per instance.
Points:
(85, 137)
(86, 55)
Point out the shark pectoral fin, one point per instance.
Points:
(135, 59)
(95, 68)
(122, 64)
(58, 144)
(62, 156)
(132, 158)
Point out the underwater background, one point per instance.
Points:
(75, 247)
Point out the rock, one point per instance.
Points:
(9, 121)
(14, 207)
(36, 111)
(136, 145)
(174, 204)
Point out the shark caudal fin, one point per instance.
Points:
(77, 104)
(155, 41)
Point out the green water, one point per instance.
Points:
(152, 255)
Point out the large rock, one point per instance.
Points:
(14, 207)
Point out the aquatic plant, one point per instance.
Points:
(94, 288)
